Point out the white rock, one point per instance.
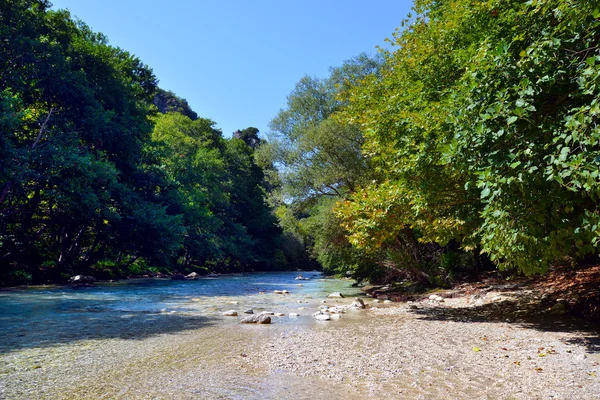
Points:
(376, 301)
(249, 311)
(336, 294)
(322, 317)
(335, 316)
(230, 313)
(387, 301)
(267, 313)
(279, 314)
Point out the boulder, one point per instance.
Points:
(82, 279)
(230, 313)
(336, 295)
(249, 311)
(256, 319)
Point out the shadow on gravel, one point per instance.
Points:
(90, 325)
(527, 316)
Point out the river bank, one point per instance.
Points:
(456, 348)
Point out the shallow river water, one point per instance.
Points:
(156, 338)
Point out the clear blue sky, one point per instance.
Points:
(236, 61)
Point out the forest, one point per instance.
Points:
(471, 143)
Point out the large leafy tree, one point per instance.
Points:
(484, 128)
(313, 159)
(74, 128)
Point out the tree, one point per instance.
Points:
(483, 127)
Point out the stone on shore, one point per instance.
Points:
(436, 298)
(256, 319)
(336, 295)
(82, 279)
(249, 311)
(230, 313)
(322, 317)
(192, 276)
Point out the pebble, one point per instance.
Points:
(322, 317)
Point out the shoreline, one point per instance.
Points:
(428, 349)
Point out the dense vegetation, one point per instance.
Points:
(475, 140)
(102, 172)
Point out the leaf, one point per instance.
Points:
(485, 192)
(476, 349)
(512, 120)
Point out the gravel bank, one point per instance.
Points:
(436, 351)
(439, 352)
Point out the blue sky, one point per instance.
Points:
(236, 61)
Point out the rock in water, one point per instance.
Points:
(230, 313)
(249, 311)
(358, 303)
(322, 317)
(192, 276)
(256, 319)
(336, 294)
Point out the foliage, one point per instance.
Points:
(83, 185)
(483, 126)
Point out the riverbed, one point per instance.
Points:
(162, 339)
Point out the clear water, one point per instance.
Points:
(40, 317)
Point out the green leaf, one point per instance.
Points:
(485, 193)
(512, 120)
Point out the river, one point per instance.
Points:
(156, 338)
